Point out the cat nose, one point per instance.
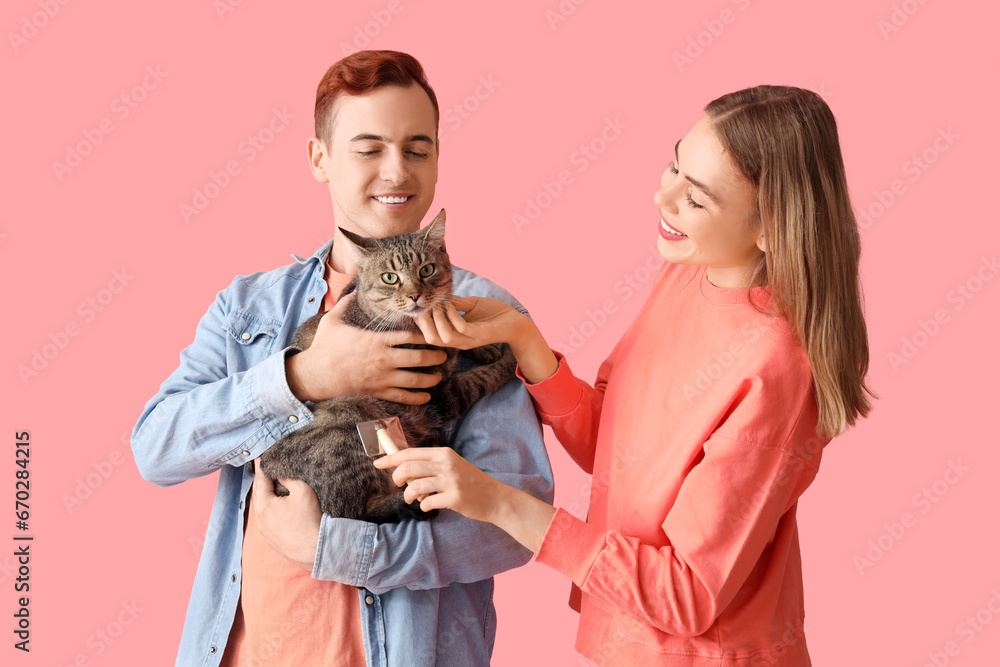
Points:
(414, 296)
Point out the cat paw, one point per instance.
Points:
(487, 354)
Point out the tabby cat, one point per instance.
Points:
(398, 278)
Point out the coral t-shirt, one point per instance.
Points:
(284, 616)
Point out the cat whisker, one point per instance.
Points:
(376, 326)
(385, 321)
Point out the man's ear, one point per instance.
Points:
(316, 150)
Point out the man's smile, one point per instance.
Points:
(393, 199)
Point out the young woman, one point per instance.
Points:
(708, 420)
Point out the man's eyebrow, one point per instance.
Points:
(376, 137)
(698, 184)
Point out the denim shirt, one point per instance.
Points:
(425, 587)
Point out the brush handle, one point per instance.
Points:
(387, 443)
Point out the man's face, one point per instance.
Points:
(382, 164)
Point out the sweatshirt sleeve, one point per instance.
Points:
(572, 407)
(726, 514)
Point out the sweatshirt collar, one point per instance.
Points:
(732, 296)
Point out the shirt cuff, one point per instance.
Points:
(570, 546)
(269, 398)
(344, 550)
(557, 395)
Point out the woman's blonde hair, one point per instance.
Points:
(784, 142)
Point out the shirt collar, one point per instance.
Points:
(320, 255)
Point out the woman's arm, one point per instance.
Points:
(458, 485)
(569, 405)
(715, 533)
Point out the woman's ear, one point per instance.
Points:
(761, 243)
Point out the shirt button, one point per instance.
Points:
(234, 578)
(245, 336)
(212, 649)
(311, 299)
(246, 453)
(369, 600)
(241, 504)
(293, 419)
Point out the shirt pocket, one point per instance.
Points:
(250, 337)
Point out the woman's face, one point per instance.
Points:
(704, 206)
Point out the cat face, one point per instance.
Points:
(403, 275)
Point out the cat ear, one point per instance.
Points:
(434, 232)
(357, 244)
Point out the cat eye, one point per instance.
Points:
(426, 271)
(390, 278)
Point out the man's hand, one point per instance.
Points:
(289, 524)
(348, 361)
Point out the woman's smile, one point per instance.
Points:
(669, 233)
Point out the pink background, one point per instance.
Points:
(112, 548)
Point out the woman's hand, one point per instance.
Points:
(451, 482)
(486, 321)
(455, 483)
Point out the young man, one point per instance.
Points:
(279, 583)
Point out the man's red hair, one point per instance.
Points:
(363, 72)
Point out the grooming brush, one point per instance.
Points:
(383, 436)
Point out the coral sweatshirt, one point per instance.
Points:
(700, 433)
